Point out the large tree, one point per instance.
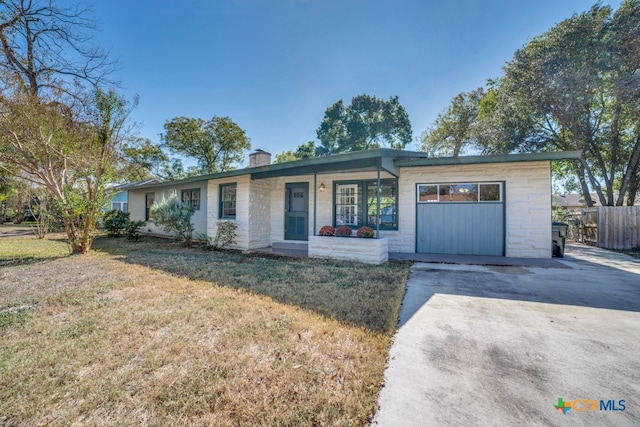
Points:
(368, 122)
(304, 151)
(71, 152)
(217, 145)
(45, 45)
(452, 132)
(575, 87)
(58, 128)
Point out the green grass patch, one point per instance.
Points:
(14, 317)
(27, 250)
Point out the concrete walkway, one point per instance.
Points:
(495, 345)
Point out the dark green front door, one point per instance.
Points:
(296, 211)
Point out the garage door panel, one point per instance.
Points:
(461, 228)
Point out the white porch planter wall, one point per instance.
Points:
(368, 251)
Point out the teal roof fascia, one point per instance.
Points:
(385, 158)
(335, 162)
(503, 158)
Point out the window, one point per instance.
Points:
(356, 204)
(191, 198)
(489, 192)
(120, 206)
(459, 192)
(149, 198)
(347, 205)
(388, 204)
(228, 201)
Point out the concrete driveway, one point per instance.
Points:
(498, 346)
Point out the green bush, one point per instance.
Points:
(225, 235)
(115, 222)
(173, 216)
(132, 230)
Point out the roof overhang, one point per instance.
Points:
(370, 160)
(504, 158)
(360, 160)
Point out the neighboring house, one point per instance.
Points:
(574, 202)
(484, 205)
(120, 200)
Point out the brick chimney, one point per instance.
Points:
(259, 158)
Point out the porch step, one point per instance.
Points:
(283, 246)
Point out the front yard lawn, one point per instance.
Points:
(150, 333)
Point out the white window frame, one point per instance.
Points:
(347, 205)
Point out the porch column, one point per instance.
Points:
(315, 200)
(378, 204)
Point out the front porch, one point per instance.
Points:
(301, 249)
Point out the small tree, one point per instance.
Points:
(173, 216)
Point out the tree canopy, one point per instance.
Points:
(575, 87)
(62, 127)
(304, 151)
(46, 46)
(217, 145)
(368, 122)
(71, 152)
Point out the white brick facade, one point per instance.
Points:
(260, 204)
(527, 202)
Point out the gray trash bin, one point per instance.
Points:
(560, 230)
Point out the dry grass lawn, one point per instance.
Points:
(149, 333)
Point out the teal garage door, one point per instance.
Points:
(460, 218)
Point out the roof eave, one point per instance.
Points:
(506, 158)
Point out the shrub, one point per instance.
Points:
(343, 231)
(365, 232)
(327, 230)
(115, 222)
(173, 216)
(225, 235)
(132, 230)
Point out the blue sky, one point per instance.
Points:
(274, 66)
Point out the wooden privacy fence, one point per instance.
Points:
(612, 227)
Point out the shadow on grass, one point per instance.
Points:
(358, 294)
(30, 260)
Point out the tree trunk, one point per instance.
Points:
(633, 188)
(630, 174)
(583, 184)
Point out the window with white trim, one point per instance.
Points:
(119, 206)
(228, 201)
(347, 205)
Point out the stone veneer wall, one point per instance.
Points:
(259, 214)
(368, 251)
(242, 208)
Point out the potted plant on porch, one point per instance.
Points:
(341, 244)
